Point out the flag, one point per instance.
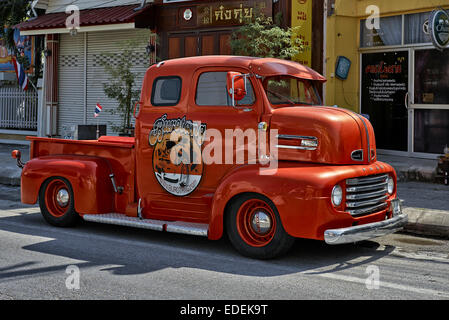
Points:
(22, 77)
(98, 109)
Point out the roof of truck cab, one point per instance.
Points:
(265, 67)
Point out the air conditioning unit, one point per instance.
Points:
(90, 131)
(84, 131)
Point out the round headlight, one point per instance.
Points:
(337, 196)
(390, 185)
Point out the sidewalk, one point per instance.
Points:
(426, 203)
(412, 169)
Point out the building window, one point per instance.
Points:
(389, 33)
(212, 91)
(431, 77)
(166, 91)
(416, 28)
(431, 130)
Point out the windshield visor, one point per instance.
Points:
(289, 91)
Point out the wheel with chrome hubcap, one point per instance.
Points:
(256, 222)
(255, 229)
(56, 202)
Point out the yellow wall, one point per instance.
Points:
(343, 39)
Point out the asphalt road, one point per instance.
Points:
(38, 261)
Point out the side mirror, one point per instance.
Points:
(236, 86)
(15, 154)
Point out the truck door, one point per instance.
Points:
(229, 129)
(157, 178)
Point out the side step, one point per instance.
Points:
(191, 228)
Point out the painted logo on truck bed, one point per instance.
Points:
(177, 161)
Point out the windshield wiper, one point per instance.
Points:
(281, 97)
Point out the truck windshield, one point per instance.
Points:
(289, 91)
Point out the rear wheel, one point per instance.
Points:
(57, 203)
(255, 228)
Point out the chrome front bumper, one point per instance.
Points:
(368, 231)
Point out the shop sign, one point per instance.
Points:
(384, 87)
(302, 25)
(439, 29)
(232, 13)
(384, 77)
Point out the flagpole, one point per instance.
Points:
(98, 109)
(33, 85)
(98, 129)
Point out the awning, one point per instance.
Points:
(118, 17)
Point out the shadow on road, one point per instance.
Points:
(128, 251)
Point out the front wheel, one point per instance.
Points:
(57, 203)
(255, 229)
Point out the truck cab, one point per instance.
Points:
(225, 145)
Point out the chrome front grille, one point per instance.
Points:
(365, 195)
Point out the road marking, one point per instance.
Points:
(383, 284)
(18, 212)
(421, 255)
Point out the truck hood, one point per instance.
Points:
(323, 135)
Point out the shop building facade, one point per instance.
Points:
(397, 76)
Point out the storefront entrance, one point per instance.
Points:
(405, 93)
(404, 85)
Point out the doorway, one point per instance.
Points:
(429, 101)
(404, 93)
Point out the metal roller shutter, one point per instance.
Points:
(99, 43)
(71, 83)
(72, 76)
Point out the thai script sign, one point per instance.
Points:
(302, 22)
(384, 80)
(232, 13)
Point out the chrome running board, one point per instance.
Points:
(191, 228)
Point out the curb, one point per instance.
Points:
(419, 174)
(427, 222)
(10, 176)
(413, 169)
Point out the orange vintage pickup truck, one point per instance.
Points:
(225, 145)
